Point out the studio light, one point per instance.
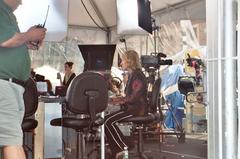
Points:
(133, 17)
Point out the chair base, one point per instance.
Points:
(80, 145)
(140, 151)
(28, 150)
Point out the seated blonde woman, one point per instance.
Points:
(134, 102)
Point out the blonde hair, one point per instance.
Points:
(132, 59)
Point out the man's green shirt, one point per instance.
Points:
(14, 62)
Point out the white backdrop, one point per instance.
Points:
(33, 12)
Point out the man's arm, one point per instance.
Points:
(17, 40)
(32, 35)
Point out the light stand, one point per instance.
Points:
(155, 31)
(151, 79)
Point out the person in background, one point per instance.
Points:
(49, 88)
(172, 96)
(134, 102)
(68, 76)
(14, 71)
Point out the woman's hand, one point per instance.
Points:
(116, 100)
(59, 75)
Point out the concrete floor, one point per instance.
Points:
(195, 147)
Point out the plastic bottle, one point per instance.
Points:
(125, 153)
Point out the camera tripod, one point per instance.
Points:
(157, 127)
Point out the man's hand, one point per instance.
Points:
(36, 34)
(31, 46)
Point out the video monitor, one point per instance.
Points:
(97, 57)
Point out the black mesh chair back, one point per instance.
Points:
(30, 98)
(154, 98)
(31, 104)
(87, 94)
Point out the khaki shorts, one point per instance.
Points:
(11, 113)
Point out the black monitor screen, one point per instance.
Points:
(144, 15)
(97, 57)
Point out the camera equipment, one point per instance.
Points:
(97, 57)
(186, 84)
(196, 64)
(151, 64)
(154, 61)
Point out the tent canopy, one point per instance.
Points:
(104, 11)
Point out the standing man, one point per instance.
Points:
(14, 70)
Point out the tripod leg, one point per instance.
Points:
(179, 127)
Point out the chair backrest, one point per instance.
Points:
(87, 93)
(30, 97)
(154, 98)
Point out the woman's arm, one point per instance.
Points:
(116, 100)
(137, 91)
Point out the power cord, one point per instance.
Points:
(93, 18)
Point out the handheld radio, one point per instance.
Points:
(41, 26)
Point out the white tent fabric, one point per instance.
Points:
(104, 11)
(169, 36)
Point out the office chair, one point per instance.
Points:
(31, 104)
(140, 121)
(87, 95)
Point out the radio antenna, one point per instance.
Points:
(46, 17)
(41, 26)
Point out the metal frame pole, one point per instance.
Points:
(238, 75)
(221, 42)
(230, 108)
